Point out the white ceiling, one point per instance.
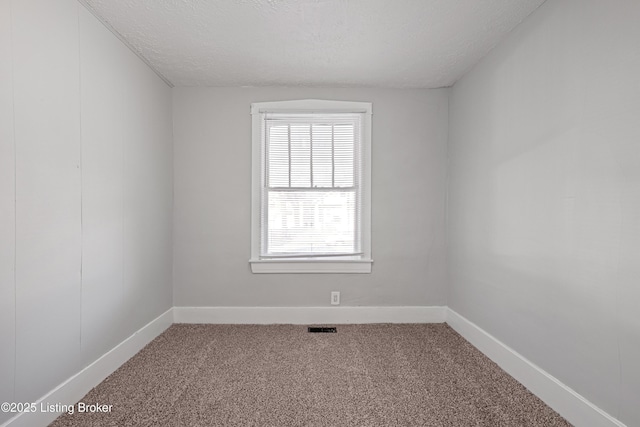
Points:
(381, 43)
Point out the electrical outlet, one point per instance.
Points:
(335, 298)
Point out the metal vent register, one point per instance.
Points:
(322, 330)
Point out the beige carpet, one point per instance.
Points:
(281, 375)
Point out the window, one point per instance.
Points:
(311, 187)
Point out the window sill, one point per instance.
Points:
(362, 266)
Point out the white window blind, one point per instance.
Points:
(311, 185)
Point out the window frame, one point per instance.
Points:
(356, 264)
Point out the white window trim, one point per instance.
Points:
(361, 265)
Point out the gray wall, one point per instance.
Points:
(544, 219)
(212, 164)
(85, 194)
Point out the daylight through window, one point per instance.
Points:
(311, 193)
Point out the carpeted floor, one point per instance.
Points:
(281, 375)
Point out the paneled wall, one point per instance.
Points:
(7, 210)
(85, 194)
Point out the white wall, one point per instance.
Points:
(544, 203)
(212, 166)
(85, 130)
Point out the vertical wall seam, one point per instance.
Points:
(447, 179)
(123, 119)
(173, 199)
(15, 206)
(616, 314)
(81, 171)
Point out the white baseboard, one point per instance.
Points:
(308, 315)
(73, 389)
(571, 405)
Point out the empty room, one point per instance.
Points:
(319, 213)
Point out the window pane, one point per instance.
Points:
(311, 203)
(311, 222)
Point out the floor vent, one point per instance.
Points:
(323, 330)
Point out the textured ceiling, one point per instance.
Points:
(382, 43)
